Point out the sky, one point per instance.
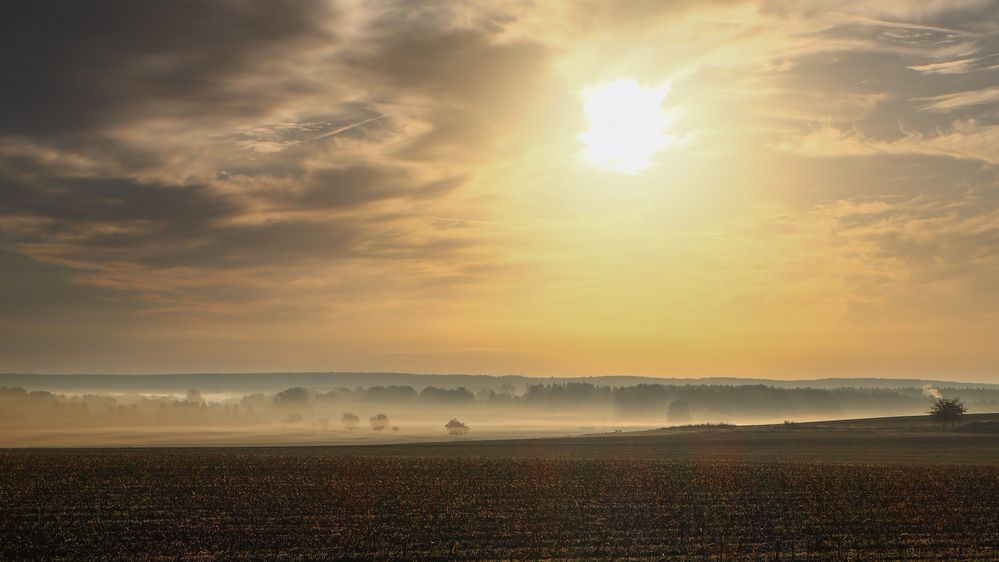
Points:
(784, 189)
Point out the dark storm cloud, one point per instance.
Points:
(69, 66)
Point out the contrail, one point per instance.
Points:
(346, 128)
(455, 219)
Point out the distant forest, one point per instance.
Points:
(672, 404)
(726, 402)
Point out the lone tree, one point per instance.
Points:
(350, 421)
(947, 411)
(380, 422)
(455, 427)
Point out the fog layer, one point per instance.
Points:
(399, 413)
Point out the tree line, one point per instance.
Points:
(669, 403)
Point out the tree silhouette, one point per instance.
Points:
(947, 411)
(455, 427)
(296, 396)
(380, 422)
(194, 396)
(350, 421)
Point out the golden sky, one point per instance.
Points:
(784, 189)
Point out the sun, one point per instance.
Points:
(627, 125)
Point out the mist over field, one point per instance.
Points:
(42, 410)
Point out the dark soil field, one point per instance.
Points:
(818, 493)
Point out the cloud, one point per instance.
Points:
(958, 100)
(960, 66)
(238, 136)
(119, 200)
(965, 139)
(72, 68)
(353, 186)
(899, 247)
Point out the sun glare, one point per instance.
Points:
(627, 125)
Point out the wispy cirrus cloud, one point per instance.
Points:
(960, 66)
(959, 100)
(966, 140)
